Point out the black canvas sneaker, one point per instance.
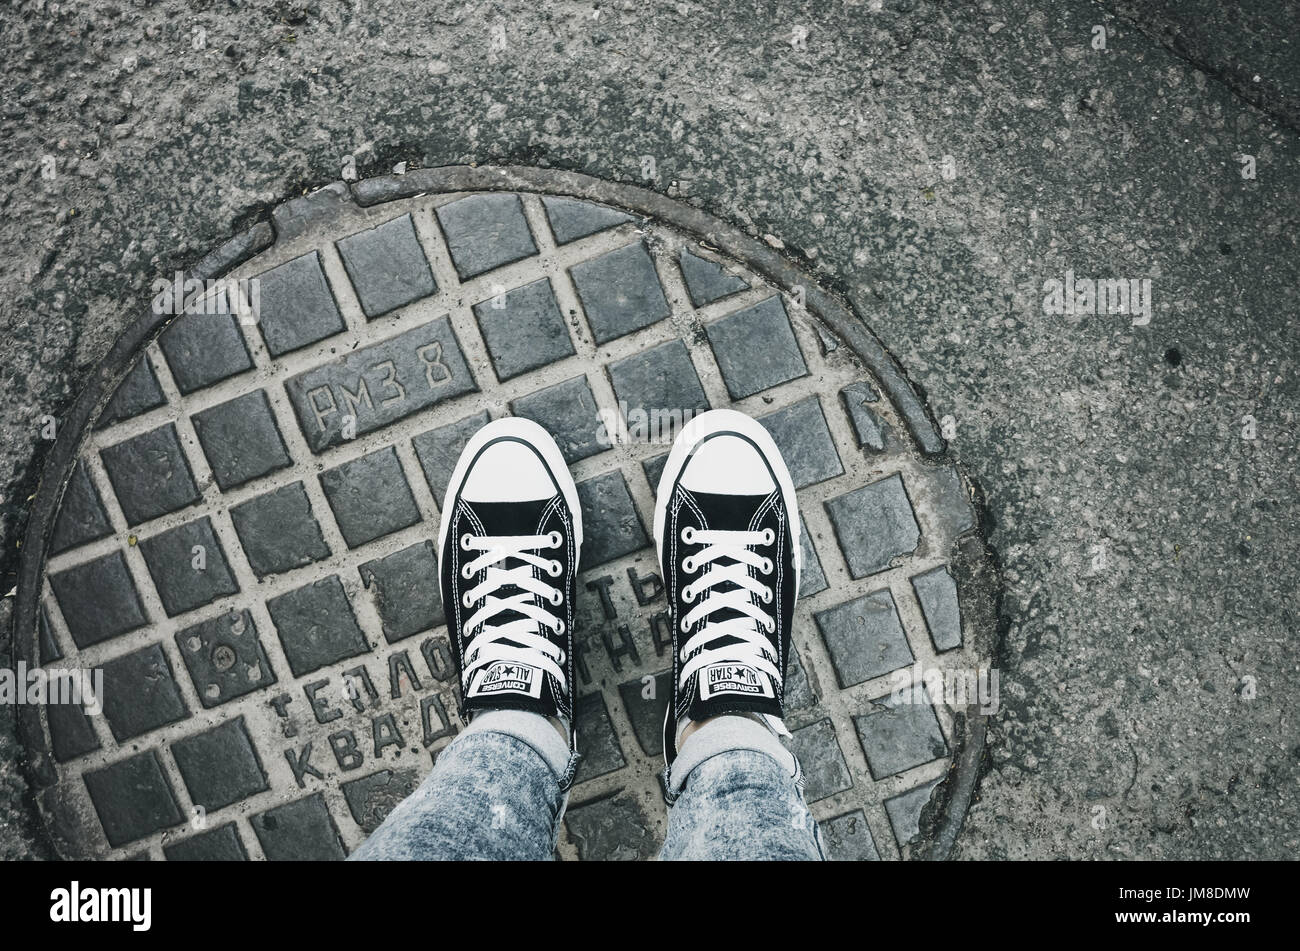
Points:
(508, 556)
(727, 533)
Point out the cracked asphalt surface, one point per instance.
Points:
(936, 163)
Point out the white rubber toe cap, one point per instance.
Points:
(508, 471)
(728, 465)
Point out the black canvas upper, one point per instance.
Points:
(715, 689)
(508, 685)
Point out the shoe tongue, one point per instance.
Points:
(508, 518)
(729, 513)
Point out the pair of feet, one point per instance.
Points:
(727, 534)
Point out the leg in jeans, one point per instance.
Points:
(498, 792)
(727, 532)
(737, 793)
(509, 544)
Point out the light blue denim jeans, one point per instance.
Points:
(498, 791)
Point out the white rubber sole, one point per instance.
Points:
(526, 431)
(728, 421)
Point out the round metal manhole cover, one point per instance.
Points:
(237, 530)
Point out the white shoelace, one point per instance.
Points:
(754, 648)
(483, 641)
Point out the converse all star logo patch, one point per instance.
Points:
(733, 678)
(503, 675)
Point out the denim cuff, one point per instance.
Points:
(723, 735)
(534, 730)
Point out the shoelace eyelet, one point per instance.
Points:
(465, 572)
(688, 565)
(766, 566)
(465, 540)
(769, 536)
(465, 600)
(769, 625)
(559, 628)
(558, 597)
(688, 535)
(554, 568)
(685, 627)
(688, 594)
(766, 595)
(555, 539)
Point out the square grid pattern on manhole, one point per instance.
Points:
(245, 546)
